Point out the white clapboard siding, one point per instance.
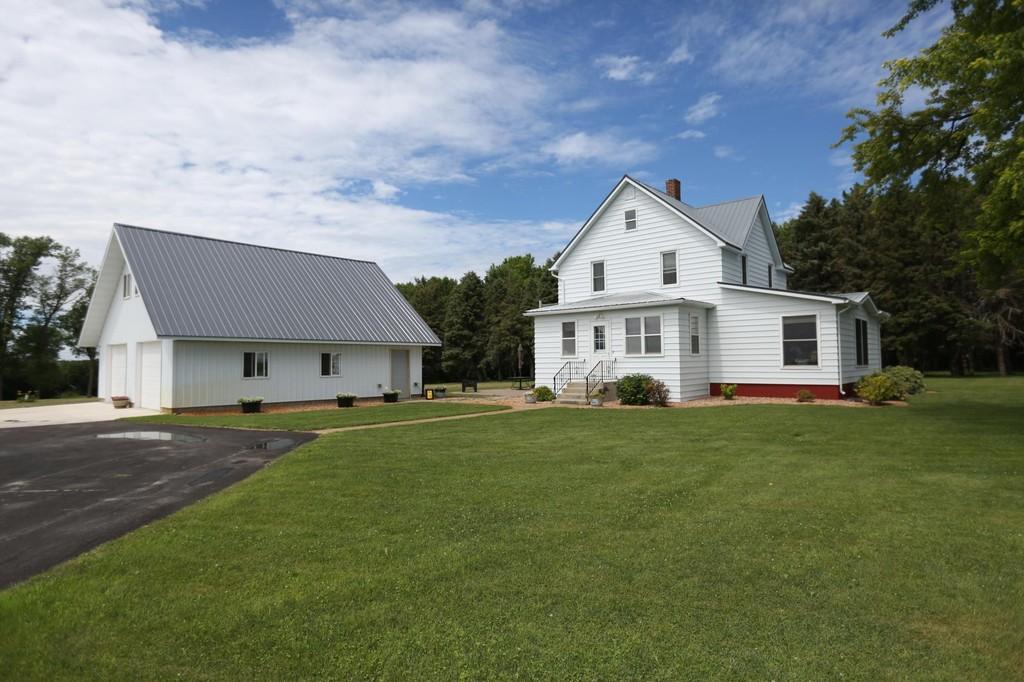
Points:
(210, 372)
(685, 376)
(746, 340)
(759, 256)
(127, 324)
(633, 259)
(848, 330)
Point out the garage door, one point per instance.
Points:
(118, 370)
(149, 376)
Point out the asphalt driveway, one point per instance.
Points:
(65, 489)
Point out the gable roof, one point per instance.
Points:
(729, 223)
(199, 287)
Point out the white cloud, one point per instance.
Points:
(723, 152)
(789, 212)
(706, 108)
(105, 118)
(603, 148)
(691, 134)
(625, 68)
(680, 55)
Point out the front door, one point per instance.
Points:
(400, 371)
(600, 343)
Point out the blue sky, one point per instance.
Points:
(433, 138)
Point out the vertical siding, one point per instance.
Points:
(210, 372)
(848, 331)
(128, 323)
(683, 374)
(746, 340)
(633, 259)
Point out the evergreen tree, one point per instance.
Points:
(429, 297)
(463, 351)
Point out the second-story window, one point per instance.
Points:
(597, 275)
(743, 268)
(631, 219)
(126, 286)
(770, 268)
(668, 268)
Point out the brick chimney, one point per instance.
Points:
(673, 187)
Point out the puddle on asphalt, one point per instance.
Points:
(152, 435)
(273, 444)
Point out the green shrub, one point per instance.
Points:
(245, 400)
(728, 391)
(632, 389)
(543, 394)
(804, 396)
(656, 392)
(877, 388)
(907, 379)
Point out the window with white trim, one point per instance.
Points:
(743, 268)
(631, 219)
(568, 338)
(861, 327)
(669, 272)
(694, 334)
(800, 341)
(126, 286)
(330, 364)
(255, 364)
(597, 276)
(643, 335)
(600, 338)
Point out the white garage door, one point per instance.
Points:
(149, 376)
(118, 370)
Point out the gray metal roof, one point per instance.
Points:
(200, 287)
(624, 300)
(730, 221)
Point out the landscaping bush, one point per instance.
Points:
(804, 396)
(543, 394)
(728, 391)
(878, 388)
(656, 392)
(632, 389)
(907, 379)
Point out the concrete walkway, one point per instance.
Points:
(72, 413)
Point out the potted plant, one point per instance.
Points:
(27, 396)
(530, 397)
(346, 399)
(728, 391)
(121, 401)
(597, 397)
(440, 391)
(390, 395)
(251, 404)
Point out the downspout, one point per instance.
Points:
(839, 345)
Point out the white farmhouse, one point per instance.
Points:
(695, 297)
(181, 321)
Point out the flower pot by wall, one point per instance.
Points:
(596, 402)
(346, 402)
(440, 392)
(121, 403)
(530, 398)
(249, 408)
(391, 397)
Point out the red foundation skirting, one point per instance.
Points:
(785, 390)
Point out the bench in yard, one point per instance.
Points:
(469, 383)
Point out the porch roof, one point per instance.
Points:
(631, 299)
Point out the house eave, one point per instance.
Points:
(542, 312)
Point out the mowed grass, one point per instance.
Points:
(45, 402)
(760, 541)
(333, 418)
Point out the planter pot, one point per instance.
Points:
(440, 392)
(121, 404)
(596, 402)
(249, 408)
(391, 397)
(531, 399)
(346, 402)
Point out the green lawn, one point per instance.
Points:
(43, 402)
(456, 386)
(758, 541)
(333, 418)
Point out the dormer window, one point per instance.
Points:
(126, 286)
(597, 276)
(630, 219)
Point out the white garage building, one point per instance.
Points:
(181, 321)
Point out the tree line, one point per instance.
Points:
(44, 293)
